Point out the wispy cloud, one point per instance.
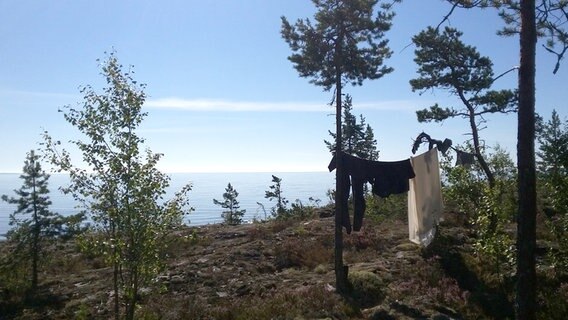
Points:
(204, 129)
(164, 130)
(239, 106)
(36, 94)
(236, 106)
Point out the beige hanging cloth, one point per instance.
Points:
(424, 198)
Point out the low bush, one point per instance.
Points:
(366, 288)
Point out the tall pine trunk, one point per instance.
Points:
(341, 271)
(526, 219)
(340, 206)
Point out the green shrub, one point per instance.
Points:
(493, 244)
(366, 288)
(394, 206)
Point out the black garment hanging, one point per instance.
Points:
(464, 158)
(386, 178)
(442, 146)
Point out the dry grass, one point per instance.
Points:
(284, 270)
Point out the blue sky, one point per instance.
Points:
(222, 95)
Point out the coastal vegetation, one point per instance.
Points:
(275, 193)
(34, 226)
(501, 250)
(233, 214)
(119, 186)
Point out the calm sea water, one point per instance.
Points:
(206, 187)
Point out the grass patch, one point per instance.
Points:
(301, 253)
(314, 302)
(367, 289)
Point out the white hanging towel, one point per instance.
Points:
(424, 198)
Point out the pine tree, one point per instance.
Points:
(275, 193)
(445, 62)
(553, 148)
(369, 144)
(345, 45)
(232, 215)
(358, 137)
(528, 20)
(553, 169)
(32, 222)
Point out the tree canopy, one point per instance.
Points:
(445, 62)
(233, 214)
(121, 188)
(347, 41)
(358, 136)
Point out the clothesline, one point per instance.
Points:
(462, 157)
(419, 176)
(385, 177)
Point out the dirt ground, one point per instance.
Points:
(281, 270)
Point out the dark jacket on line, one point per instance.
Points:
(385, 177)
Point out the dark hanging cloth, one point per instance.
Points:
(464, 158)
(442, 146)
(385, 177)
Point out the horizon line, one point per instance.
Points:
(191, 172)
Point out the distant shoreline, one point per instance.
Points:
(204, 172)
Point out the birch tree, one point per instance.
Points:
(119, 184)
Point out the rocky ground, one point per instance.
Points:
(282, 270)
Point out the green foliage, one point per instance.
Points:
(232, 215)
(14, 276)
(445, 62)
(488, 209)
(464, 186)
(300, 211)
(33, 224)
(552, 137)
(553, 300)
(370, 143)
(462, 189)
(297, 209)
(493, 245)
(121, 188)
(394, 206)
(366, 288)
(346, 41)
(553, 170)
(358, 138)
(435, 113)
(279, 211)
